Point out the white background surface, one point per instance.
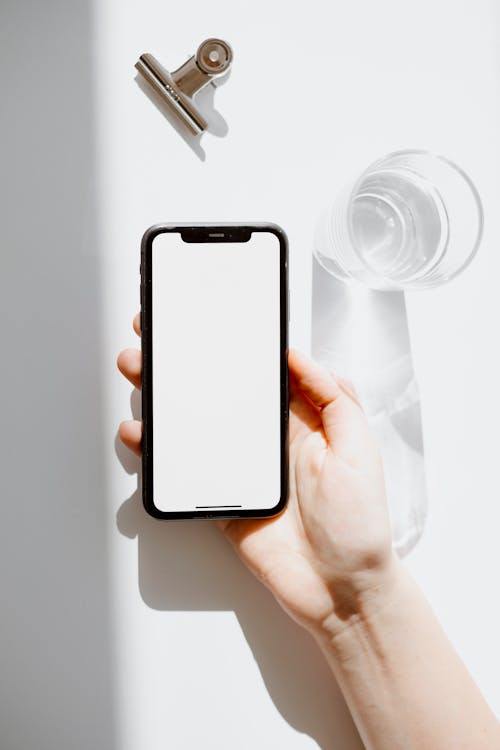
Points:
(173, 644)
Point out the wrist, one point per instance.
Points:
(358, 599)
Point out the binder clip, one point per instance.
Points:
(212, 59)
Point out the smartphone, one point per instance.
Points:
(214, 330)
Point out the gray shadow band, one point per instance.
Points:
(56, 685)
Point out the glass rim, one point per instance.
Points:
(417, 283)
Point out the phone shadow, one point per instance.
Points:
(189, 566)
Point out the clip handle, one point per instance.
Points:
(190, 78)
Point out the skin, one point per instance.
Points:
(328, 560)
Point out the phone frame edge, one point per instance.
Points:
(147, 395)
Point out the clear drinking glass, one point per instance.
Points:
(412, 220)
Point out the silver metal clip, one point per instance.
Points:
(212, 59)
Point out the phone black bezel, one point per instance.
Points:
(200, 233)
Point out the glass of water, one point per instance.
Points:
(412, 220)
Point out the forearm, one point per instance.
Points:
(403, 682)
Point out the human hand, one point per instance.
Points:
(327, 558)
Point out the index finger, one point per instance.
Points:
(137, 324)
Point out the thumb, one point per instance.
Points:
(339, 412)
(315, 381)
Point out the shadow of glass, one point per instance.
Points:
(56, 687)
(363, 334)
(189, 566)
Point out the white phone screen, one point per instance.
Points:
(216, 354)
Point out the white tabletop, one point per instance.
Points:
(205, 656)
(200, 655)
